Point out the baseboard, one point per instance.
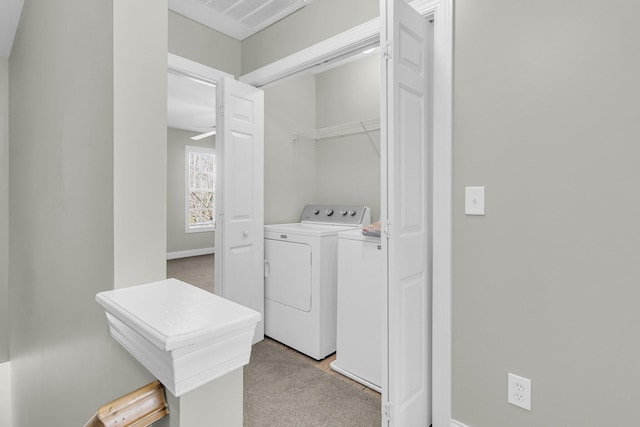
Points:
(5, 395)
(354, 377)
(191, 252)
(455, 423)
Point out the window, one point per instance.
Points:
(200, 179)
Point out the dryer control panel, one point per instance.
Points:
(336, 214)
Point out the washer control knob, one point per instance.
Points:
(316, 211)
(329, 212)
(343, 212)
(352, 213)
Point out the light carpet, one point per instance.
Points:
(281, 389)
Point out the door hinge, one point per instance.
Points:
(387, 51)
(221, 217)
(221, 110)
(387, 411)
(386, 228)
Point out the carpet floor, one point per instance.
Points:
(197, 271)
(281, 390)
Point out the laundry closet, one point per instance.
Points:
(322, 151)
(308, 158)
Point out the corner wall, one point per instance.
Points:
(4, 210)
(6, 414)
(64, 363)
(289, 168)
(348, 167)
(139, 141)
(545, 285)
(5, 365)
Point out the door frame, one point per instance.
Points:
(198, 70)
(204, 72)
(195, 69)
(348, 42)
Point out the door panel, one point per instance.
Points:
(287, 273)
(240, 246)
(405, 109)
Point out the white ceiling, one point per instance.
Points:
(9, 17)
(191, 103)
(236, 18)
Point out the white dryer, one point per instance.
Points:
(300, 277)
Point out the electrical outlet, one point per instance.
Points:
(519, 391)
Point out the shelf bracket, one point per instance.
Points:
(366, 132)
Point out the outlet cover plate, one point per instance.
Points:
(519, 391)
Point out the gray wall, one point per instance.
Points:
(62, 202)
(348, 168)
(198, 43)
(547, 117)
(177, 239)
(337, 170)
(289, 168)
(314, 23)
(139, 146)
(4, 210)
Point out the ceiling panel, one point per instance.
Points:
(236, 18)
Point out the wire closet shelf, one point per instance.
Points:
(345, 129)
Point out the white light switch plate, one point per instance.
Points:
(474, 200)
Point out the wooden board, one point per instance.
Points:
(140, 408)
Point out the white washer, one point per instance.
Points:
(301, 274)
(361, 284)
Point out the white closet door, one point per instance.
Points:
(405, 41)
(240, 245)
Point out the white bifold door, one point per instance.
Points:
(239, 268)
(406, 74)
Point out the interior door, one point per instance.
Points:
(240, 230)
(405, 42)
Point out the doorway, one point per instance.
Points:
(191, 177)
(322, 147)
(225, 191)
(440, 13)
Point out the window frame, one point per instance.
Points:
(205, 150)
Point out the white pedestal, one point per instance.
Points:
(194, 342)
(217, 403)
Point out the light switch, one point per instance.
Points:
(474, 200)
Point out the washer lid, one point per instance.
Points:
(357, 235)
(308, 229)
(173, 314)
